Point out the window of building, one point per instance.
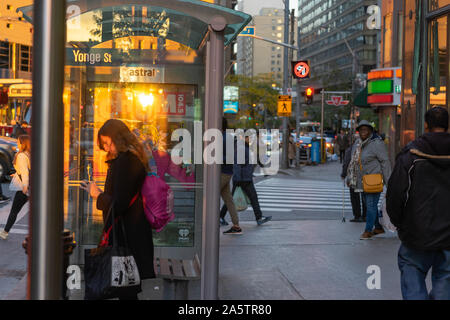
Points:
(25, 58)
(273, 62)
(279, 35)
(4, 55)
(438, 62)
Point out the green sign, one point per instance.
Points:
(381, 86)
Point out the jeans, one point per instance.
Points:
(414, 266)
(19, 201)
(225, 193)
(249, 189)
(372, 211)
(355, 198)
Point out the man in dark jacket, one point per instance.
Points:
(343, 142)
(418, 202)
(243, 177)
(355, 197)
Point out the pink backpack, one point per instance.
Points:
(158, 201)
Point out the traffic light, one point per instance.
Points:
(309, 95)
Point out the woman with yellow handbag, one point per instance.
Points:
(368, 171)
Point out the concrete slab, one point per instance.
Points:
(320, 259)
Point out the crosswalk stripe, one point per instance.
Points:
(302, 195)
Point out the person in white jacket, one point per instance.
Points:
(19, 183)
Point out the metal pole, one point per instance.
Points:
(211, 173)
(321, 127)
(284, 155)
(297, 106)
(46, 203)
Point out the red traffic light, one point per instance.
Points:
(309, 92)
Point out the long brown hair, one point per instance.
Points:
(25, 141)
(123, 139)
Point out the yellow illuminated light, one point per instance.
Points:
(146, 100)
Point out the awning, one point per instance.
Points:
(183, 21)
(361, 98)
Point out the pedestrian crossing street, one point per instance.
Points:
(288, 195)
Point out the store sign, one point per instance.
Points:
(230, 107)
(141, 74)
(385, 86)
(381, 86)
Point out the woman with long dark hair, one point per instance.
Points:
(127, 169)
(19, 183)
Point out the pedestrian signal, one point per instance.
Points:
(309, 95)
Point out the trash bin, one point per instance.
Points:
(315, 151)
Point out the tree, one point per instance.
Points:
(257, 98)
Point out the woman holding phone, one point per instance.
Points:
(127, 169)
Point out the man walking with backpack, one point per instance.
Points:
(418, 202)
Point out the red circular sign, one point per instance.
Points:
(301, 69)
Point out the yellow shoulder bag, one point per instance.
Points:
(372, 183)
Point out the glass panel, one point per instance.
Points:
(124, 62)
(438, 62)
(436, 4)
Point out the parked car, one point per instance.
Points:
(8, 149)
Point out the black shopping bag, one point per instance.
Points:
(111, 271)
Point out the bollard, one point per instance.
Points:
(68, 244)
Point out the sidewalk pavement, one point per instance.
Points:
(319, 259)
(312, 259)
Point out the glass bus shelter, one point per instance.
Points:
(143, 62)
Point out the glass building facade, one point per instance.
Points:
(324, 24)
(426, 35)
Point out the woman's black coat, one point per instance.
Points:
(124, 180)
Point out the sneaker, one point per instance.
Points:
(263, 220)
(3, 234)
(4, 199)
(366, 235)
(233, 230)
(377, 231)
(223, 222)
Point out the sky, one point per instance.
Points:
(253, 6)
